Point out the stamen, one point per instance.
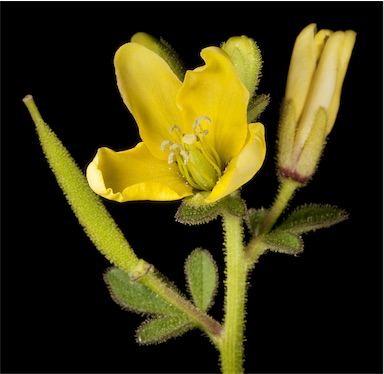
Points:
(216, 163)
(176, 146)
(171, 157)
(164, 144)
(174, 127)
(185, 172)
(199, 120)
(176, 149)
(195, 156)
(185, 156)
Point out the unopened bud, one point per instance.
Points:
(246, 57)
(317, 70)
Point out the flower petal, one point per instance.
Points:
(148, 87)
(345, 55)
(306, 51)
(322, 88)
(135, 174)
(244, 166)
(215, 90)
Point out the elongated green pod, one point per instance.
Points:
(86, 205)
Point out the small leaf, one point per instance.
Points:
(202, 278)
(134, 296)
(256, 106)
(255, 218)
(284, 242)
(194, 211)
(233, 204)
(158, 330)
(311, 217)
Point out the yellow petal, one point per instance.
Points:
(244, 166)
(322, 88)
(135, 174)
(148, 87)
(345, 56)
(301, 68)
(215, 90)
(307, 49)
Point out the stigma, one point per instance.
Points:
(195, 156)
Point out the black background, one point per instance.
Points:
(319, 312)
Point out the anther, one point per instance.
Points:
(164, 144)
(176, 146)
(199, 120)
(174, 127)
(171, 157)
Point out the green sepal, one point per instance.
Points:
(134, 296)
(255, 219)
(284, 242)
(163, 49)
(311, 217)
(234, 205)
(202, 278)
(195, 211)
(158, 330)
(256, 106)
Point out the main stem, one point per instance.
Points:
(231, 343)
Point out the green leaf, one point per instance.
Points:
(284, 242)
(134, 296)
(158, 330)
(233, 204)
(311, 217)
(256, 106)
(202, 278)
(255, 218)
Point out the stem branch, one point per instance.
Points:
(285, 193)
(204, 321)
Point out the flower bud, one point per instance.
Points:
(246, 57)
(316, 73)
(163, 49)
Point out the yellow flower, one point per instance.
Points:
(195, 135)
(316, 74)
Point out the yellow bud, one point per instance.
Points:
(316, 74)
(246, 57)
